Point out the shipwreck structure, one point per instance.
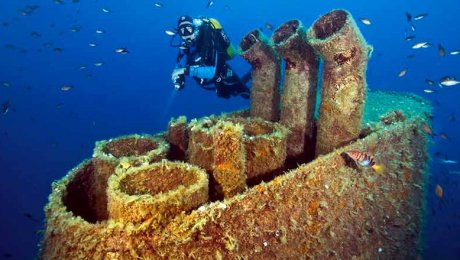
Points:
(220, 186)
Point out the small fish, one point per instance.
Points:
(419, 45)
(169, 32)
(409, 38)
(454, 172)
(99, 31)
(439, 192)
(444, 136)
(420, 16)
(429, 91)
(82, 67)
(430, 82)
(365, 21)
(269, 26)
(7, 255)
(427, 129)
(122, 50)
(59, 2)
(65, 88)
(441, 50)
(410, 56)
(91, 44)
(35, 34)
(98, 64)
(408, 17)
(412, 27)
(106, 10)
(6, 107)
(402, 72)
(29, 216)
(454, 52)
(447, 161)
(75, 29)
(57, 50)
(210, 3)
(6, 84)
(158, 4)
(428, 116)
(448, 82)
(452, 117)
(364, 159)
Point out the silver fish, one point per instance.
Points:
(420, 16)
(365, 21)
(447, 161)
(419, 45)
(122, 50)
(169, 32)
(454, 52)
(449, 82)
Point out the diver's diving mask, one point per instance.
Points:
(187, 33)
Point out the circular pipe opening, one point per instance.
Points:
(80, 192)
(249, 40)
(330, 23)
(130, 146)
(285, 31)
(156, 180)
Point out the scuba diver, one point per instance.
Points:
(203, 53)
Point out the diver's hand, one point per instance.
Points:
(176, 74)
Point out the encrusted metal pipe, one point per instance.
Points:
(266, 75)
(229, 158)
(345, 53)
(299, 89)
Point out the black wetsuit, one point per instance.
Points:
(210, 49)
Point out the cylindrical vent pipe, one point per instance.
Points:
(266, 74)
(345, 53)
(299, 89)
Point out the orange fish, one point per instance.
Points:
(427, 129)
(438, 191)
(364, 159)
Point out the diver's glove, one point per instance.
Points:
(177, 78)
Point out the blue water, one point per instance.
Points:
(47, 131)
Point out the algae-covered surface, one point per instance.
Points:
(321, 209)
(380, 103)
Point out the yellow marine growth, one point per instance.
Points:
(128, 151)
(229, 158)
(266, 75)
(238, 197)
(154, 194)
(337, 38)
(178, 138)
(200, 147)
(299, 90)
(265, 144)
